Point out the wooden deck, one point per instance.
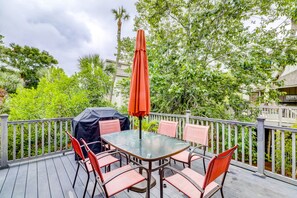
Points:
(52, 177)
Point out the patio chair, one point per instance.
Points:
(193, 184)
(104, 158)
(167, 128)
(106, 127)
(116, 180)
(196, 134)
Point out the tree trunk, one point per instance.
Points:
(293, 27)
(117, 59)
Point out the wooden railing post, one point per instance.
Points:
(260, 146)
(280, 115)
(4, 140)
(188, 114)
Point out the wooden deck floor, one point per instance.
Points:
(52, 177)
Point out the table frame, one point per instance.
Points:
(150, 168)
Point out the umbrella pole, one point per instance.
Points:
(140, 125)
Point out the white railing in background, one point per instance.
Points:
(280, 115)
(257, 141)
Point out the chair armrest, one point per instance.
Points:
(107, 153)
(185, 176)
(115, 176)
(90, 143)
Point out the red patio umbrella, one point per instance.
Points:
(139, 103)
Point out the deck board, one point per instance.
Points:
(65, 180)
(32, 187)
(21, 181)
(53, 177)
(8, 186)
(54, 181)
(3, 175)
(79, 186)
(42, 180)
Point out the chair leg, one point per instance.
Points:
(75, 175)
(222, 192)
(204, 166)
(94, 189)
(120, 160)
(87, 183)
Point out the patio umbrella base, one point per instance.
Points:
(141, 187)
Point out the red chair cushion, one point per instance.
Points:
(186, 187)
(123, 181)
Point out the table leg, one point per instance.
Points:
(149, 172)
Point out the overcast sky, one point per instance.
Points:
(67, 29)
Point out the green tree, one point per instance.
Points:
(203, 57)
(95, 79)
(27, 61)
(120, 15)
(57, 95)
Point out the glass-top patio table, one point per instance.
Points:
(152, 147)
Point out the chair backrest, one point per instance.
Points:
(76, 146)
(218, 165)
(93, 160)
(167, 128)
(196, 133)
(109, 126)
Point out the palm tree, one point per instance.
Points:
(120, 14)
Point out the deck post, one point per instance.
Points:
(260, 146)
(188, 114)
(280, 115)
(4, 141)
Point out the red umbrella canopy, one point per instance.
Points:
(139, 103)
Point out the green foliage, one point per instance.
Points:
(22, 64)
(147, 125)
(202, 57)
(57, 95)
(95, 79)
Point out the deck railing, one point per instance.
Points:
(266, 150)
(281, 115)
(28, 139)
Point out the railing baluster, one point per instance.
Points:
(242, 145)
(36, 139)
(283, 151)
(236, 142)
(218, 137)
(293, 155)
(14, 142)
(66, 137)
(29, 140)
(49, 137)
(211, 136)
(61, 135)
(55, 136)
(273, 151)
(22, 140)
(250, 145)
(42, 138)
(229, 136)
(223, 137)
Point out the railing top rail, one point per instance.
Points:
(39, 120)
(165, 114)
(233, 122)
(293, 130)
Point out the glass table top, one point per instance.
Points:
(151, 147)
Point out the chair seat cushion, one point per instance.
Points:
(183, 157)
(187, 187)
(105, 161)
(123, 181)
